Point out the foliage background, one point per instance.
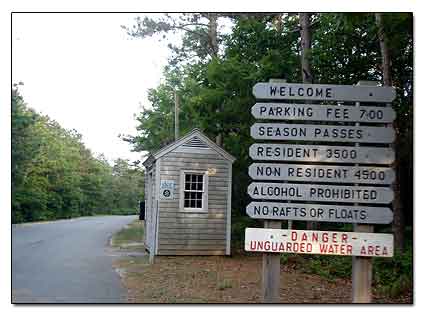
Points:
(54, 176)
(216, 89)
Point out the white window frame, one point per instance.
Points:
(204, 208)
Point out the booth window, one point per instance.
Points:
(194, 194)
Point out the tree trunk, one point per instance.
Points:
(398, 221)
(305, 42)
(213, 45)
(212, 34)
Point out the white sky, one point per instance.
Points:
(85, 72)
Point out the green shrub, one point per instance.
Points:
(393, 275)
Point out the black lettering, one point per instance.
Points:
(290, 171)
(319, 92)
(300, 92)
(262, 110)
(310, 92)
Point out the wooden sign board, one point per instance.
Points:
(308, 112)
(321, 193)
(321, 173)
(322, 133)
(319, 242)
(323, 92)
(321, 153)
(319, 213)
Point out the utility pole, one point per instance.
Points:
(176, 115)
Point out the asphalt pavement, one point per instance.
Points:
(66, 261)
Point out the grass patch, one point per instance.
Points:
(130, 234)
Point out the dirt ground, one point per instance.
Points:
(218, 279)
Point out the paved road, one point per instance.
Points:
(66, 261)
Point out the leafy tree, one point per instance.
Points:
(344, 50)
(55, 176)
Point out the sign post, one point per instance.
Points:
(271, 261)
(362, 266)
(271, 270)
(322, 174)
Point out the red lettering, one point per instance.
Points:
(323, 248)
(274, 246)
(294, 236)
(288, 247)
(385, 251)
(349, 249)
(325, 237)
(260, 245)
(363, 251)
(370, 250)
(314, 237)
(309, 247)
(334, 237)
(267, 245)
(304, 237)
(344, 238)
(253, 245)
(281, 247)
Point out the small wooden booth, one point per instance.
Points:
(188, 198)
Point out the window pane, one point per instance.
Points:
(194, 186)
(199, 203)
(188, 177)
(187, 186)
(199, 186)
(186, 203)
(200, 178)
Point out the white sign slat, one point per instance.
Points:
(319, 212)
(319, 242)
(321, 153)
(319, 92)
(322, 133)
(321, 173)
(320, 193)
(308, 112)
